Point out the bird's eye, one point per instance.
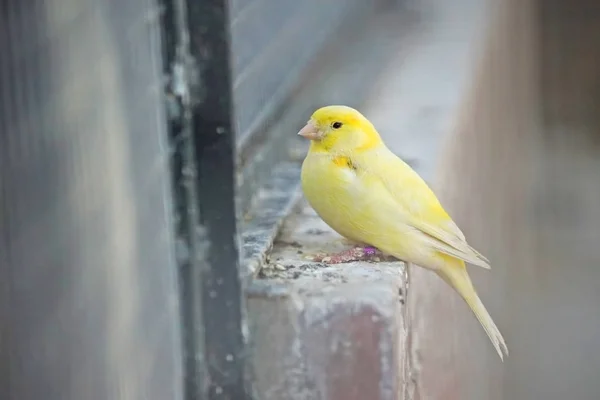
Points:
(336, 125)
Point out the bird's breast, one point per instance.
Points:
(355, 202)
(330, 185)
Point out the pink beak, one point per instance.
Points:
(310, 131)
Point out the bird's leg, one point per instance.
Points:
(358, 253)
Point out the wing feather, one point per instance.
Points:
(423, 210)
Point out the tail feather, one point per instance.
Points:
(455, 274)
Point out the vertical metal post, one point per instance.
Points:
(204, 169)
(213, 135)
(175, 65)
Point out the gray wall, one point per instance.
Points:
(88, 296)
(520, 174)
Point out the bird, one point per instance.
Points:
(368, 195)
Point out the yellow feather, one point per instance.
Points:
(342, 161)
(456, 276)
(367, 194)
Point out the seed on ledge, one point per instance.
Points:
(279, 267)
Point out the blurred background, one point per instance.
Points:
(148, 159)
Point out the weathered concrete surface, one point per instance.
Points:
(303, 235)
(326, 332)
(262, 222)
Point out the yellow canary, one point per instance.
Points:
(369, 195)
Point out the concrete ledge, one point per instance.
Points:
(262, 222)
(325, 332)
(342, 343)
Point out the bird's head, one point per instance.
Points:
(340, 129)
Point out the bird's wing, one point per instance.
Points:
(423, 210)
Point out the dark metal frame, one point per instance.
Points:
(199, 95)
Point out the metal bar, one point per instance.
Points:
(214, 281)
(176, 67)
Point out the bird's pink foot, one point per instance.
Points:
(355, 254)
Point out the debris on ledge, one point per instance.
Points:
(304, 235)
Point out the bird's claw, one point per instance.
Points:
(351, 255)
